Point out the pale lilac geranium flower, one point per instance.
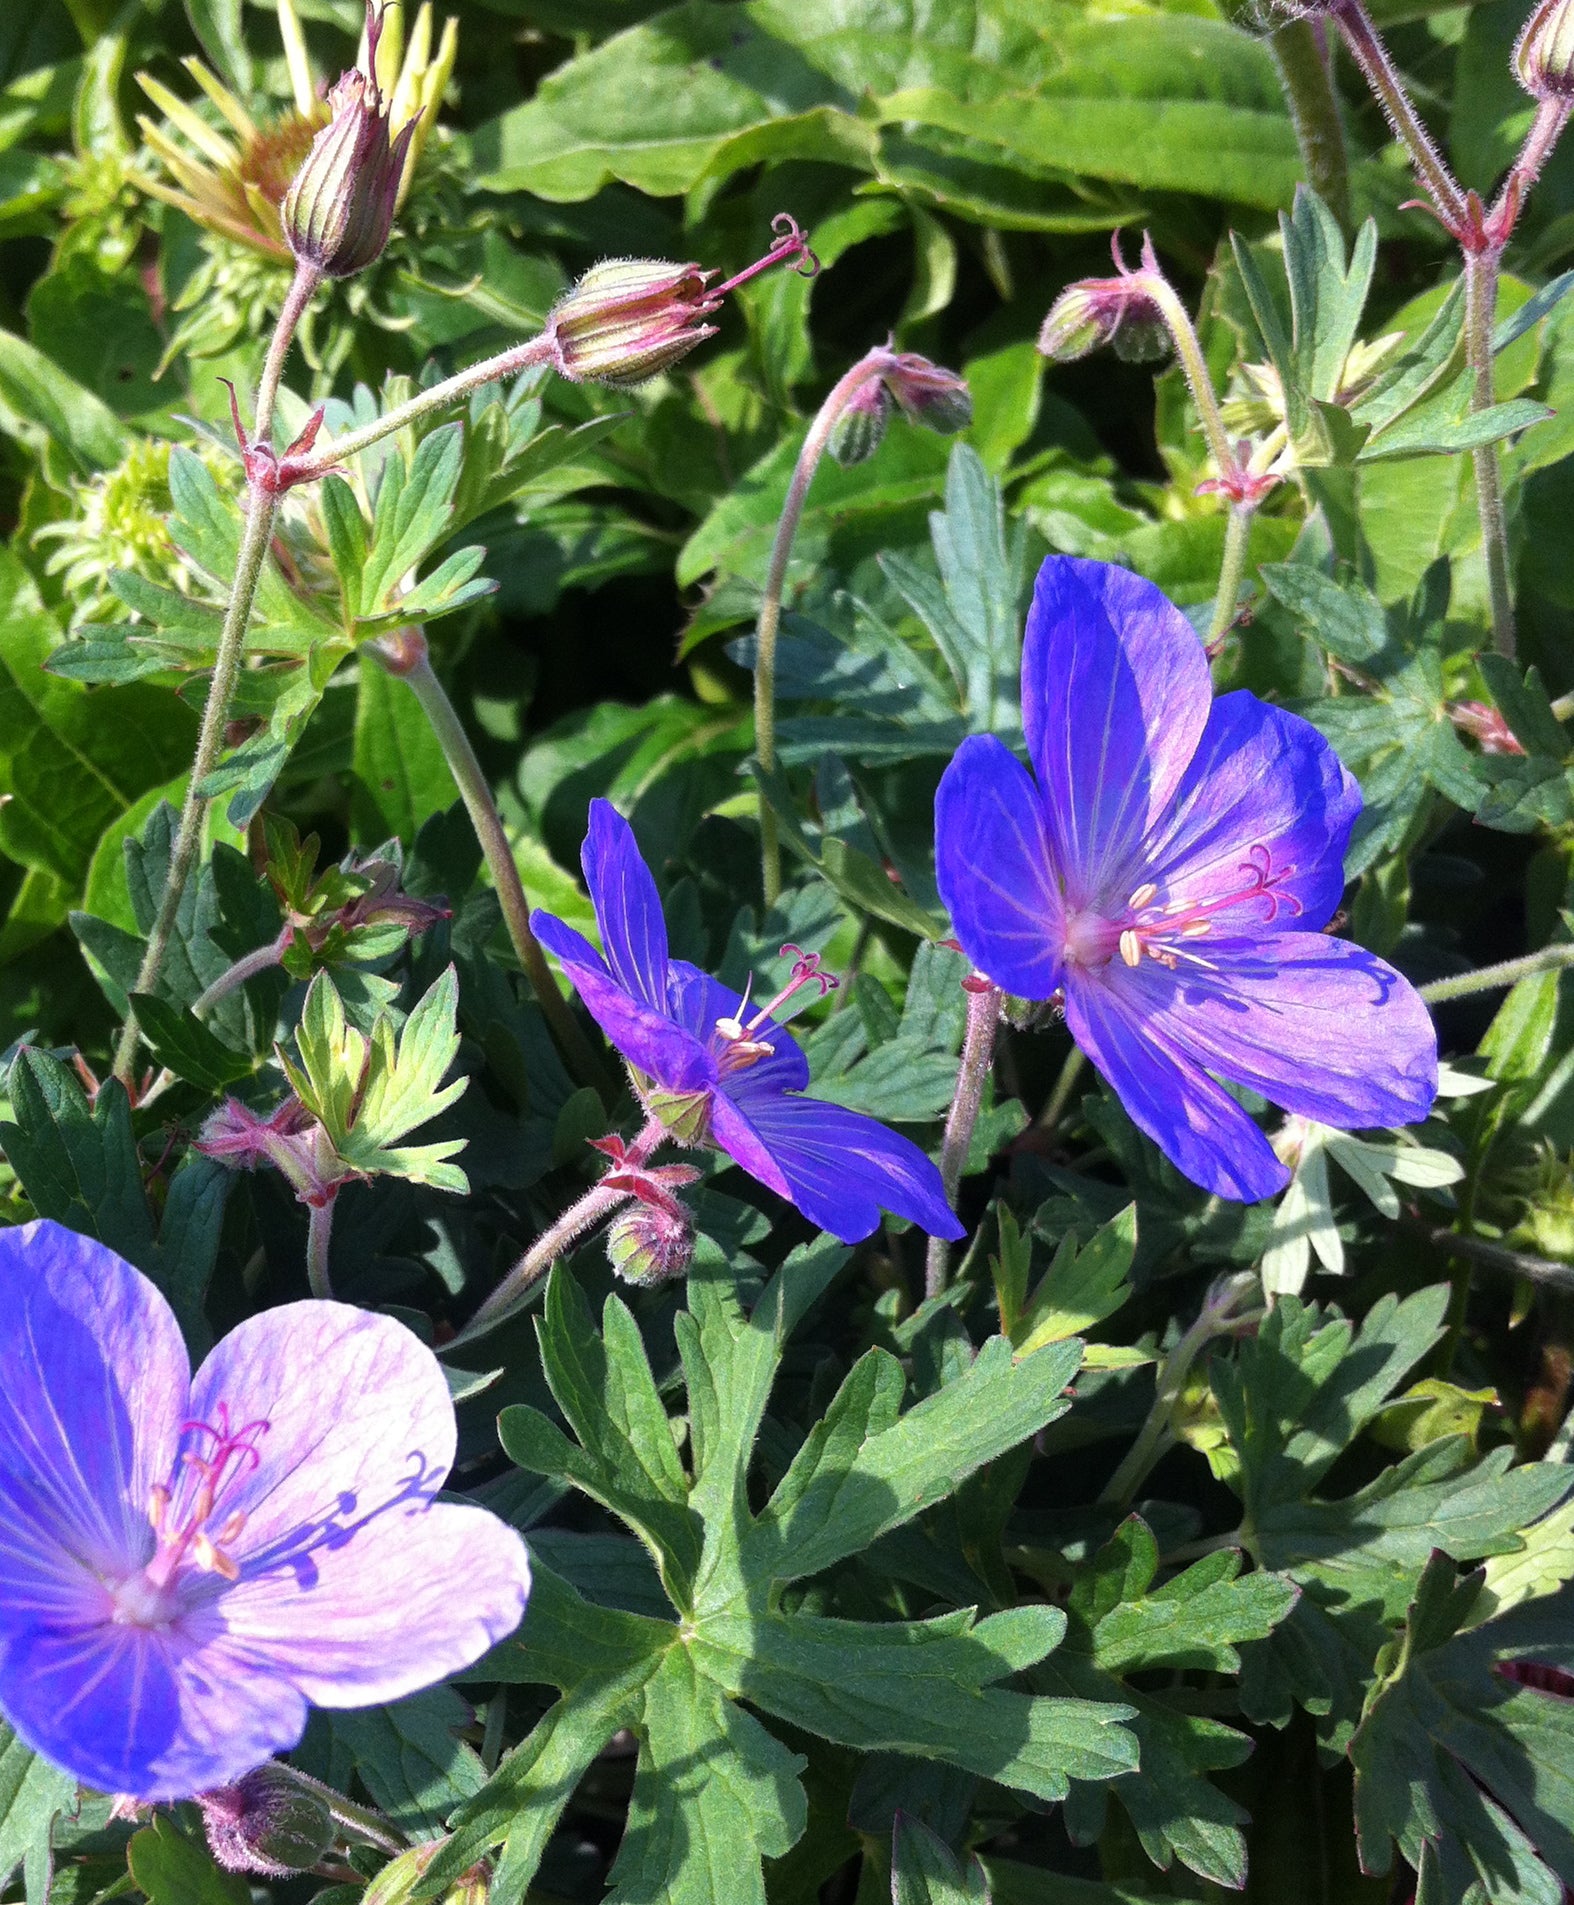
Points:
(718, 1069)
(187, 1562)
(1168, 874)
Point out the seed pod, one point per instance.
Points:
(628, 319)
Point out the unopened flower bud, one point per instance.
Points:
(860, 429)
(267, 1822)
(929, 394)
(340, 209)
(1096, 311)
(1544, 53)
(648, 1243)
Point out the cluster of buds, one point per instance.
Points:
(290, 1140)
(268, 1822)
(340, 209)
(355, 910)
(652, 1239)
(628, 319)
(925, 393)
(1121, 311)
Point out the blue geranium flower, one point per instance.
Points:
(1169, 874)
(714, 1071)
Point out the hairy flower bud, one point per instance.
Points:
(266, 1822)
(860, 429)
(1544, 53)
(648, 1243)
(935, 398)
(340, 209)
(1099, 311)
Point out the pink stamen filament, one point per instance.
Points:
(233, 1452)
(790, 242)
(1183, 919)
(741, 1045)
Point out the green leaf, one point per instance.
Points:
(78, 1163)
(33, 1793)
(411, 1758)
(924, 1870)
(172, 1870)
(399, 762)
(1081, 1287)
(1452, 1755)
(41, 404)
(187, 1047)
(414, 506)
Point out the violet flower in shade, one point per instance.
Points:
(187, 1562)
(714, 1071)
(1168, 874)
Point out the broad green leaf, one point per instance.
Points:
(1081, 1287)
(925, 1871)
(42, 405)
(410, 1758)
(78, 1163)
(187, 1047)
(33, 1793)
(399, 762)
(173, 1870)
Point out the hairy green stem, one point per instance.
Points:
(1508, 973)
(319, 1230)
(1237, 539)
(535, 350)
(978, 1051)
(1177, 321)
(405, 655)
(264, 959)
(597, 1202)
(355, 1822)
(261, 508)
(769, 623)
(1369, 53)
(1300, 56)
(1049, 1118)
(1481, 270)
(1494, 1256)
(1157, 1434)
(303, 287)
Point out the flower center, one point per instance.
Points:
(1161, 932)
(736, 1042)
(186, 1516)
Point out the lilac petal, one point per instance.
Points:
(1196, 1124)
(698, 1001)
(995, 869)
(359, 1422)
(146, 1711)
(646, 1037)
(413, 1595)
(1115, 696)
(1320, 1026)
(842, 1168)
(93, 1387)
(628, 907)
(1264, 793)
(732, 1130)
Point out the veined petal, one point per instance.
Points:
(94, 1381)
(994, 865)
(1198, 1126)
(628, 907)
(842, 1169)
(698, 1001)
(1115, 696)
(412, 1596)
(360, 1426)
(1265, 799)
(646, 1036)
(1320, 1026)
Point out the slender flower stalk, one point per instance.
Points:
(405, 655)
(598, 1202)
(1237, 539)
(978, 1051)
(263, 959)
(1508, 973)
(319, 1231)
(1301, 57)
(1481, 275)
(1371, 55)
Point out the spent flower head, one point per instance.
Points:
(717, 1069)
(1169, 874)
(187, 1563)
(1120, 311)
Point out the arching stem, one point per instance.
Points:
(978, 1051)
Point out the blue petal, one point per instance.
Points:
(628, 907)
(1318, 1025)
(94, 1383)
(1198, 1126)
(995, 869)
(1115, 696)
(1264, 788)
(841, 1168)
(698, 1001)
(647, 1037)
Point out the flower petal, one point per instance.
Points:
(1196, 1124)
(1115, 696)
(841, 1168)
(359, 1421)
(995, 869)
(647, 1037)
(93, 1387)
(628, 907)
(410, 1597)
(144, 1711)
(1320, 1026)
(698, 1001)
(1264, 790)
